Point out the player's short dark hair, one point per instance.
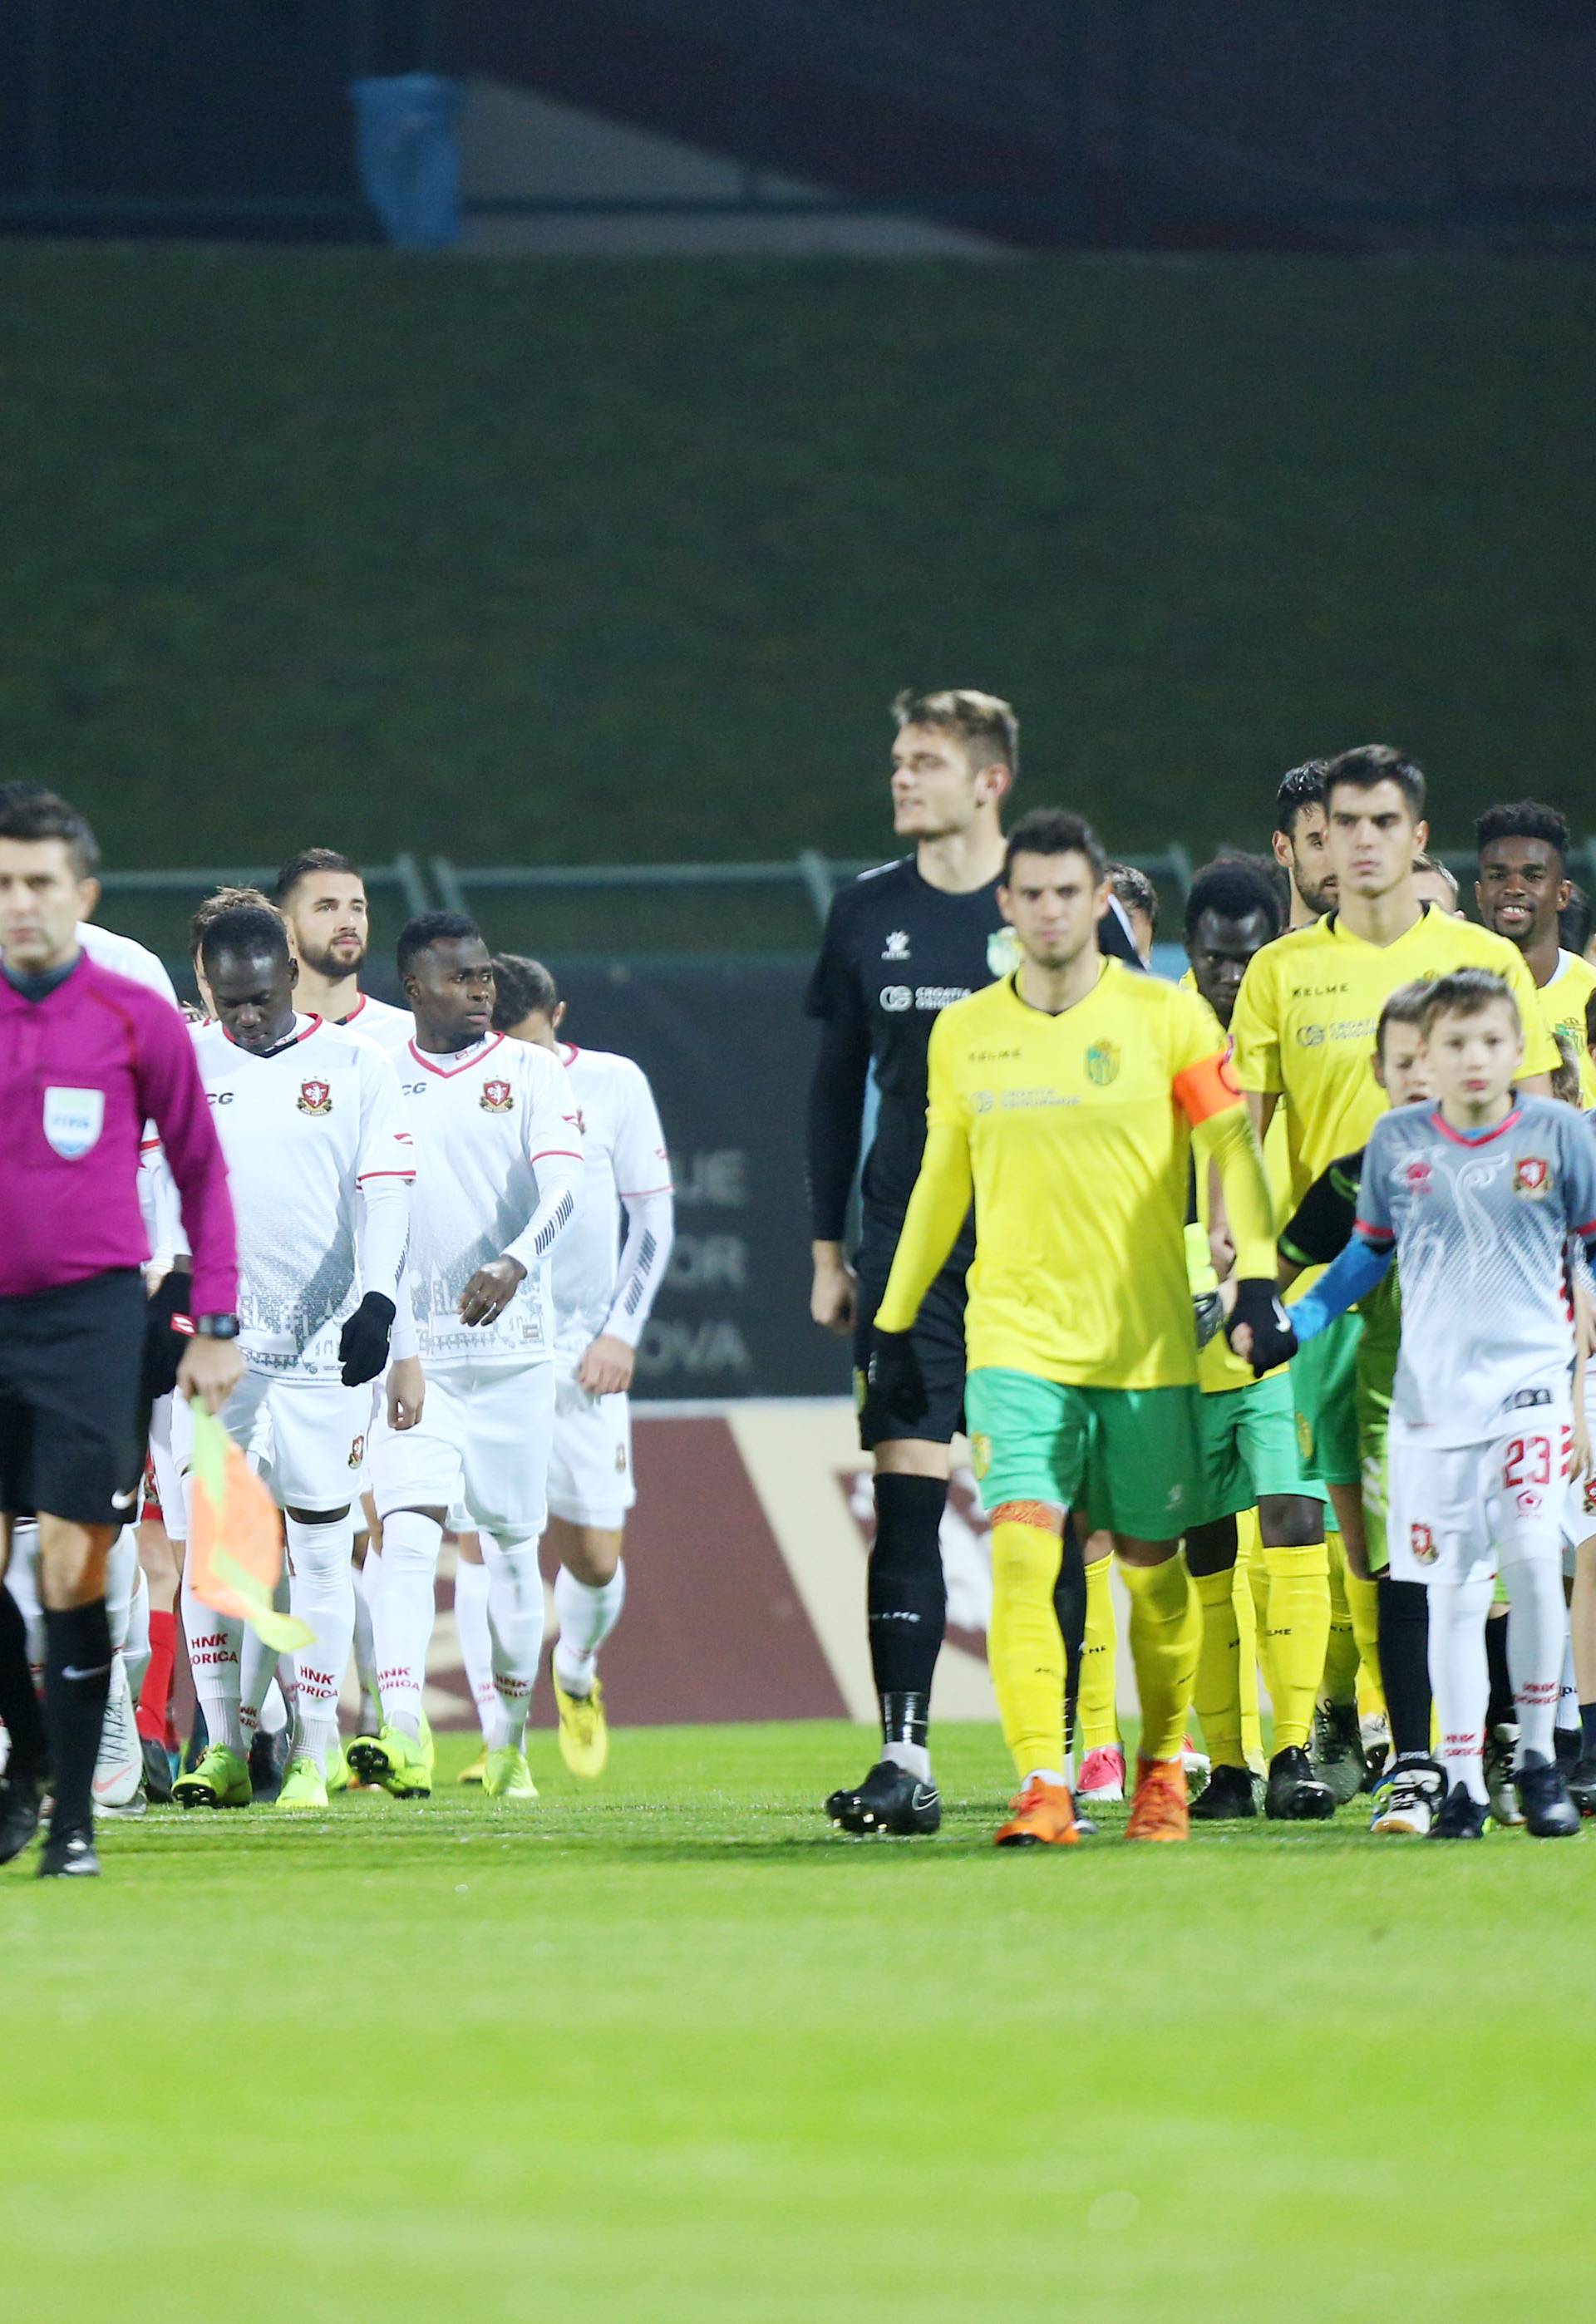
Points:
(307, 861)
(523, 987)
(1235, 886)
(1524, 819)
(1576, 921)
(252, 931)
(1135, 890)
(1055, 831)
(985, 722)
(1466, 992)
(1303, 786)
(1377, 762)
(28, 811)
(1439, 871)
(429, 928)
(1405, 1006)
(224, 899)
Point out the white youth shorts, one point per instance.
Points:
(480, 1445)
(171, 1433)
(306, 1438)
(590, 1473)
(1579, 1517)
(1461, 1509)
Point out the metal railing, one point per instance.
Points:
(402, 878)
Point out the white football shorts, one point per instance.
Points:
(590, 1472)
(1460, 1509)
(171, 1433)
(306, 1438)
(480, 1445)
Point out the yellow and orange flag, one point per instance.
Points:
(234, 1538)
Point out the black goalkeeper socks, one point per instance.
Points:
(77, 1683)
(907, 1599)
(19, 1703)
(1405, 1664)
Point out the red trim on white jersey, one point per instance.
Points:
(568, 1053)
(550, 1152)
(408, 1175)
(641, 1193)
(313, 1027)
(447, 1073)
(1460, 1138)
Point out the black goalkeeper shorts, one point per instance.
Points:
(939, 1338)
(70, 1365)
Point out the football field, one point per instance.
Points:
(668, 2049)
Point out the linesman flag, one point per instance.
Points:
(234, 1540)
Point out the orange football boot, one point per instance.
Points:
(1043, 1815)
(1159, 1811)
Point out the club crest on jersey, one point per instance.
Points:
(1418, 1177)
(496, 1097)
(1002, 951)
(1421, 1541)
(1103, 1064)
(896, 945)
(1532, 1177)
(1528, 1505)
(358, 1452)
(315, 1097)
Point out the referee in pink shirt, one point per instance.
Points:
(85, 1059)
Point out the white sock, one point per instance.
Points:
(137, 1650)
(368, 1578)
(323, 1597)
(1537, 1629)
(477, 1645)
(586, 1612)
(1568, 1695)
(122, 1577)
(401, 1615)
(214, 1644)
(1044, 1775)
(260, 1671)
(1460, 1680)
(914, 1758)
(515, 1629)
(22, 1579)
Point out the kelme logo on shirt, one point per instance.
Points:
(73, 1120)
(1103, 1064)
(315, 1097)
(1002, 951)
(495, 1097)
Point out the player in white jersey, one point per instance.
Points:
(320, 1169)
(604, 1292)
(499, 1173)
(1479, 1196)
(322, 897)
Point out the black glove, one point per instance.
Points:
(893, 1386)
(363, 1343)
(163, 1341)
(1257, 1302)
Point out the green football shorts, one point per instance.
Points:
(1127, 1457)
(1247, 1441)
(1323, 1382)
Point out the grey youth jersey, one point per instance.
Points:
(1483, 1228)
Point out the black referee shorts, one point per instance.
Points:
(939, 1338)
(71, 1361)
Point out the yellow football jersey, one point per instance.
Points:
(1078, 1133)
(1562, 1002)
(1309, 1005)
(1219, 1367)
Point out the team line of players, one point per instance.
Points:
(438, 1314)
(1070, 1098)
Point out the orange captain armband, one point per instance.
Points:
(1208, 1088)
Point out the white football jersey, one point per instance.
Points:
(624, 1147)
(301, 1130)
(482, 1121)
(391, 1028)
(157, 1195)
(124, 956)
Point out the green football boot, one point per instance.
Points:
(221, 1780)
(303, 1787)
(507, 1776)
(399, 1763)
(337, 1769)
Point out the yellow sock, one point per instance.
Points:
(1250, 1563)
(1339, 1682)
(1096, 1709)
(1363, 1606)
(1024, 1646)
(1216, 1696)
(1247, 1667)
(1166, 1625)
(1299, 1627)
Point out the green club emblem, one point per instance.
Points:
(1103, 1064)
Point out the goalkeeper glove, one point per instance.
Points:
(1258, 1305)
(893, 1386)
(363, 1343)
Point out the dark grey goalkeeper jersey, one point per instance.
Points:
(1485, 1227)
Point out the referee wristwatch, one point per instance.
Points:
(216, 1327)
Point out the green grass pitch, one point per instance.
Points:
(666, 2049)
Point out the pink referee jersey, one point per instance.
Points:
(80, 1074)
